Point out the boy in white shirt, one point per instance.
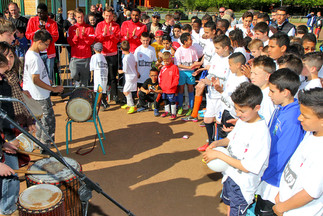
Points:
(261, 69)
(246, 27)
(99, 72)
(248, 145)
(129, 68)
(36, 81)
(301, 184)
(145, 56)
(312, 63)
(261, 32)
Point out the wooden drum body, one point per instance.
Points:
(41, 200)
(61, 177)
(80, 105)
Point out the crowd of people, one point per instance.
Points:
(261, 78)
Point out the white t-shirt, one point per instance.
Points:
(99, 66)
(321, 72)
(243, 51)
(233, 82)
(195, 36)
(35, 65)
(144, 58)
(202, 41)
(178, 40)
(129, 69)
(267, 106)
(186, 57)
(249, 143)
(208, 52)
(304, 171)
(307, 85)
(219, 68)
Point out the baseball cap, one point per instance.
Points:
(159, 33)
(98, 47)
(156, 14)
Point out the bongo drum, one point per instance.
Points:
(34, 106)
(25, 144)
(80, 105)
(63, 178)
(41, 200)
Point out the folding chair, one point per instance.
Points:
(95, 118)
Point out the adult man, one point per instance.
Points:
(221, 11)
(80, 37)
(131, 30)
(98, 16)
(40, 22)
(16, 19)
(123, 16)
(108, 33)
(282, 22)
(154, 26)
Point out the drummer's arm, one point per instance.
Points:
(37, 81)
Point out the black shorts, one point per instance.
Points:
(264, 207)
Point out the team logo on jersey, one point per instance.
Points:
(138, 28)
(140, 55)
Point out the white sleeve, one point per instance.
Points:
(35, 65)
(135, 54)
(92, 64)
(125, 64)
(177, 58)
(312, 180)
(291, 32)
(154, 57)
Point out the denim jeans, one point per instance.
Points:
(49, 63)
(10, 187)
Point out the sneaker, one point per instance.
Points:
(164, 114)
(190, 118)
(202, 124)
(141, 109)
(189, 112)
(203, 147)
(156, 112)
(180, 111)
(201, 111)
(202, 115)
(172, 117)
(104, 106)
(132, 110)
(124, 106)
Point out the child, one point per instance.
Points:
(150, 91)
(186, 60)
(9, 182)
(36, 81)
(278, 45)
(167, 47)
(249, 145)
(219, 68)
(158, 44)
(286, 133)
(99, 68)
(246, 27)
(177, 34)
(168, 79)
(256, 46)
(195, 42)
(300, 189)
(261, 32)
(168, 25)
(261, 70)
(145, 56)
(312, 63)
(237, 42)
(236, 60)
(129, 68)
(196, 26)
(292, 62)
(309, 42)
(301, 30)
(22, 47)
(7, 31)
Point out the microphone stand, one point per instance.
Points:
(87, 185)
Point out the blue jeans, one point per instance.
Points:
(49, 63)
(10, 187)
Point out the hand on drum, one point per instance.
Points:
(11, 147)
(58, 89)
(5, 170)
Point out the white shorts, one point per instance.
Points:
(130, 87)
(213, 107)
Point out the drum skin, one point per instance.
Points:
(61, 177)
(41, 200)
(79, 108)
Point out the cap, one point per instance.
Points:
(98, 47)
(159, 33)
(156, 14)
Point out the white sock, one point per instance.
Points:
(130, 100)
(167, 108)
(173, 109)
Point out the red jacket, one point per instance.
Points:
(168, 78)
(51, 27)
(81, 45)
(110, 40)
(129, 26)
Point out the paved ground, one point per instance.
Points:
(149, 168)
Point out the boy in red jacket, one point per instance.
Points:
(40, 22)
(168, 82)
(80, 37)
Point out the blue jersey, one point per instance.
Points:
(286, 134)
(23, 47)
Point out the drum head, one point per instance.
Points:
(57, 172)
(79, 109)
(40, 197)
(25, 144)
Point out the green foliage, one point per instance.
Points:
(212, 9)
